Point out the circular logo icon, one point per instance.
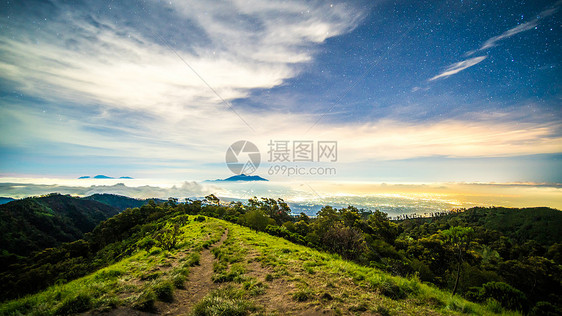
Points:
(243, 157)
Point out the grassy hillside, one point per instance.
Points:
(217, 267)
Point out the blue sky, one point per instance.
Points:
(412, 91)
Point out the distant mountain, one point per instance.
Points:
(118, 201)
(241, 177)
(33, 224)
(101, 176)
(4, 200)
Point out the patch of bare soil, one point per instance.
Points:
(198, 285)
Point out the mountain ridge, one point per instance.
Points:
(239, 178)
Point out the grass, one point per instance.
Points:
(303, 294)
(137, 281)
(312, 280)
(325, 280)
(224, 301)
(164, 290)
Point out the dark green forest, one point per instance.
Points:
(512, 256)
(36, 223)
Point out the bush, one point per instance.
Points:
(494, 306)
(200, 218)
(145, 302)
(544, 309)
(390, 289)
(179, 281)
(164, 291)
(508, 296)
(302, 295)
(254, 287)
(146, 243)
(75, 304)
(192, 260)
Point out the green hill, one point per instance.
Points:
(36, 223)
(542, 225)
(118, 201)
(203, 256)
(248, 272)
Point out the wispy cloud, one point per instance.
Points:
(458, 67)
(491, 42)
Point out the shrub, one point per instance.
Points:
(179, 281)
(192, 260)
(75, 304)
(254, 287)
(361, 307)
(508, 296)
(145, 302)
(146, 243)
(387, 287)
(494, 306)
(390, 289)
(302, 295)
(544, 309)
(155, 251)
(150, 276)
(164, 291)
(457, 305)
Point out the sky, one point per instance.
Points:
(411, 91)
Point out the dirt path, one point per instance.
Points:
(198, 285)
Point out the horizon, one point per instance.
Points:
(308, 197)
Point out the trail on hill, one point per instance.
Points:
(198, 285)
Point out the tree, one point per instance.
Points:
(212, 199)
(257, 219)
(344, 240)
(459, 239)
(167, 237)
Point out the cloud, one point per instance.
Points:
(113, 62)
(509, 33)
(458, 67)
(491, 42)
(107, 84)
(186, 189)
(111, 89)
